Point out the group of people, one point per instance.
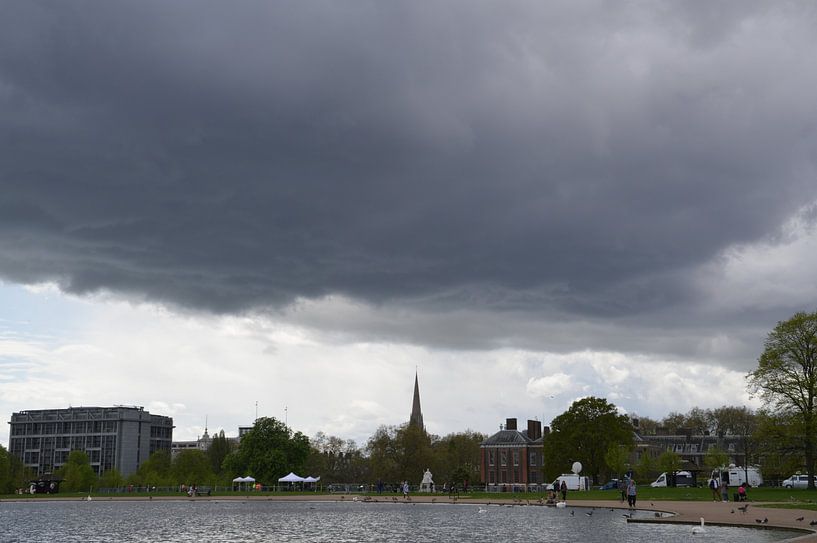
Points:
(552, 493)
(720, 492)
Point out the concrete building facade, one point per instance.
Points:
(119, 437)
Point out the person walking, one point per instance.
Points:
(631, 493)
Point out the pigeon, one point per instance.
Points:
(758, 521)
(799, 519)
(733, 511)
(813, 523)
(765, 520)
(589, 513)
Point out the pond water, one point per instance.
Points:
(338, 522)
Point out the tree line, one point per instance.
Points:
(780, 436)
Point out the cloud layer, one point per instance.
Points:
(463, 175)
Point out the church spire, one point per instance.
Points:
(416, 418)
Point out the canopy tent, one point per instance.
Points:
(311, 479)
(242, 480)
(291, 478)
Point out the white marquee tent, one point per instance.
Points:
(291, 478)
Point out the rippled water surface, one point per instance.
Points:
(338, 522)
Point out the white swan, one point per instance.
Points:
(699, 529)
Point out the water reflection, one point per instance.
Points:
(338, 522)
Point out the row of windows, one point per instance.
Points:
(533, 457)
(691, 448)
(56, 428)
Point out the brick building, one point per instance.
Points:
(512, 459)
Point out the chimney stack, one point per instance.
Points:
(510, 424)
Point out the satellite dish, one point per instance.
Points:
(577, 467)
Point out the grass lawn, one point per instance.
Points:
(803, 499)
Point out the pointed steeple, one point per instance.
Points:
(416, 418)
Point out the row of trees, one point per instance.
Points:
(783, 434)
(592, 430)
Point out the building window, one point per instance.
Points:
(491, 457)
(515, 458)
(533, 459)
(492, 477)
(503, 458)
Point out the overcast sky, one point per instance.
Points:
(204, 205)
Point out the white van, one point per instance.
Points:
(736, 476)
(796, 481)
(682, 479)
(572, 481)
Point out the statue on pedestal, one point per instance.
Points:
(428, 483)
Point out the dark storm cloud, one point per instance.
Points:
(580, 158)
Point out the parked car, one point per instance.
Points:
(612, 484)
(796, 481)
(682, 479)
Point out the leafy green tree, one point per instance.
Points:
(698, 420)
(616, 459)
(674, 421)
(585, 432)
(111, 479)
(457, 457)
(644, 466)
(786, 378)
(6, 484)
(336, 460)
(779, 443)
(670, 462)
(414, 452)
(742, 422)
(268, 451)
(382, 450)
(218, 451)
(716, 458)
(155, 471)
(77, 473)
(191, 467)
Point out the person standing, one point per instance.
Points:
(631, 493)
(724, 491)
(713, 486)
(563, 490)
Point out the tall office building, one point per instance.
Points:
(117, 437)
